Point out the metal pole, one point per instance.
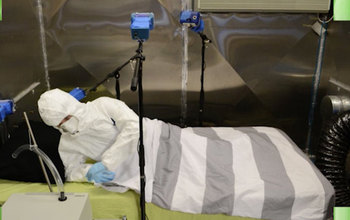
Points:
(201, 94)
(316, 83)
(137, 82)
(141, 149)
(35, 144)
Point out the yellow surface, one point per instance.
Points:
(107, 204)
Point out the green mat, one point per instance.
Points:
(107, 204)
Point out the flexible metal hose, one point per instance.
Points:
(332, 153)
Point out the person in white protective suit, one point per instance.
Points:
(105, 130)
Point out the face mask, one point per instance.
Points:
(70, 126)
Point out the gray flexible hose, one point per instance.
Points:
(49, 164)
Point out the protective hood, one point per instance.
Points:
(55, 105)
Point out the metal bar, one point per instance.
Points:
(316, 83)
(35, 144)
(25, 92)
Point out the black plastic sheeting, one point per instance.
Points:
(27, 166)
(332, 154)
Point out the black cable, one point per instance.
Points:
(205, 40)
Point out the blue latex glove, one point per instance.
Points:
(99, 174)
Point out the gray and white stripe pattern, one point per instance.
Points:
(255, 172)
(167, 166)
(279, 191)
(218, 195)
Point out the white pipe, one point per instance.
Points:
(25, 92)
(43, 42)
(185, 5)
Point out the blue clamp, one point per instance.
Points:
(193, 20)
(6, 108)
(2, 113)
(78, 93)
(141, 24)
(198, 28)
(190, 18)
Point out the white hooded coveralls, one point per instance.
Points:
(108, 131)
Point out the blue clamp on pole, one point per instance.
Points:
(193, 20)
(141, 24)
(78, 93)
(6, 108)
(199, 28)
(2, 113)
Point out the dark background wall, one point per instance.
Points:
(259, 67)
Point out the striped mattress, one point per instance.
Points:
(254, 172)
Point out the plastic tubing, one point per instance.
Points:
(332, 153)
(49, 164)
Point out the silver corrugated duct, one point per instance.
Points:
(332, 104)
